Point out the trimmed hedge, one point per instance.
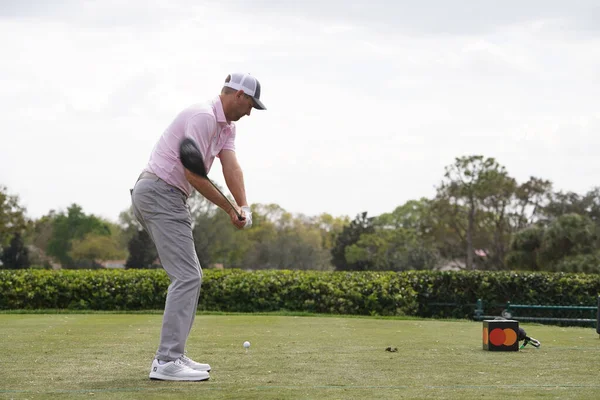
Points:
(416, 293)
(222, 290)
(83, 289)
(497, 288)
(307, 291)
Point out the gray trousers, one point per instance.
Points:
(164, 214)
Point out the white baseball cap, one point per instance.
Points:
(250, 86)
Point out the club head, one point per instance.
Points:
(191, 157)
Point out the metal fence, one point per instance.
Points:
(550, 314)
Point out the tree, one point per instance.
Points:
(392, 250)
(330, 228)
(413, 215)
(16, 255)
(569, 235)
(129, 226)
(572, 203)
(142, 251)
(402, 240)
(42, 231)
(94, 248)
(215, 239)
(530, 201)
(477, 191)
(524, 248)
(73, 225)
(258, 252)
(448, 228)
(569, 243)
(12, 217)
(349, 236)
(290, 242)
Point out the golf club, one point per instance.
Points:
(192, 159)
(527, 339)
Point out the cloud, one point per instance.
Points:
(367, 101)
(429, 17)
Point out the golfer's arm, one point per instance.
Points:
(234, 177)
(207, 190)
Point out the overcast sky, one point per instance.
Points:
(367, 101)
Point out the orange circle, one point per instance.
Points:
(497, 337)
(511, 337)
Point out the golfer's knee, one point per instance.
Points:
(191, 281)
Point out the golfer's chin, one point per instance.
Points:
(237, 118)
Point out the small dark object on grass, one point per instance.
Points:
(392, 349)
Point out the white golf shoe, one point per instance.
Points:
(196, 366)
(176, 371)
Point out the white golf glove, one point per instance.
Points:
(248, 215)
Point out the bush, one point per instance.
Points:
(222, 290)
(587, 263)
(497, 288)
(413, 293)
(83, 289)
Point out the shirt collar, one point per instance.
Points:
(218, 108)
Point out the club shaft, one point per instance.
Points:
(225, 197)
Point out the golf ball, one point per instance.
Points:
(246, 344)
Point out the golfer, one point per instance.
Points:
(159, 200)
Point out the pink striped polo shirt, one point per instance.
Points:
(205, 123)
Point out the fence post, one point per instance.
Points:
(598, 317)
(479, 309)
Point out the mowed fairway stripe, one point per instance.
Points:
(344, 387)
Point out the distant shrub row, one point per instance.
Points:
(413, 293)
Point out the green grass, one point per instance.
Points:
(107, 356)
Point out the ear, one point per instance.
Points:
(239, 94)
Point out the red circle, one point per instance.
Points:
(497, 337)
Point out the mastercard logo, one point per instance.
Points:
(500, 337)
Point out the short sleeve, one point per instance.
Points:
(230, 142)
(201, 128)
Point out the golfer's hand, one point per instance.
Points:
(235, 220)
(247, 214)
